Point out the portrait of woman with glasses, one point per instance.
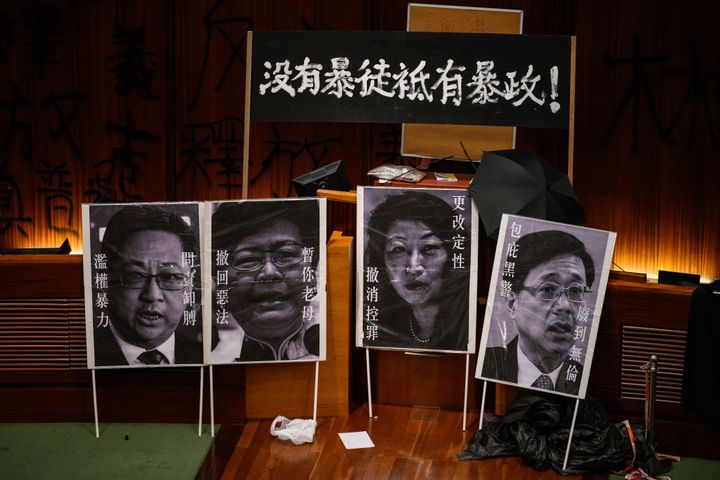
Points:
(546, 279)
(146, 294)
(268, 277)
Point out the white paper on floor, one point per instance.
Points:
(356, 440)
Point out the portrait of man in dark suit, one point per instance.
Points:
(145, 290)
(548, 275)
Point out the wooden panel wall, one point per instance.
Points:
(647, 136)
(660, 307)
(83, 113)
(38, 385)
(136, 100)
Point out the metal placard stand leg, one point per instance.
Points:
(315, 401)
(95, 403)
(482, 404)
(211, 386)
(369, 387)
(95, 409)
(202, 374)
(572, 428)
(465, 399)
(572, 425)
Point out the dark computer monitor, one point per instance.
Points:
(328, 177)
(678, 278)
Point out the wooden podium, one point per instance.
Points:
(288, 389)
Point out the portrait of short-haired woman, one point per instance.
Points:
(268, 275)
(416, 270)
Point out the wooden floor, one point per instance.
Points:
(410, 443)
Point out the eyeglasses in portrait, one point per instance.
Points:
(143, 294)
(268, 281)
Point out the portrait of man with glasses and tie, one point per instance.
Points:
(545, 306)
(268, 277)
(144, 288)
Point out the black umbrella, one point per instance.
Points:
(519, 182)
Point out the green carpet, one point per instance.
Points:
(124, 451)
(690, 469)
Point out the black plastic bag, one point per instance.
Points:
(537, 427)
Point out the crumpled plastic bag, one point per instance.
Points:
(537, 427)
(298, 431)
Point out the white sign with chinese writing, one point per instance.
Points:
(267, 274)
(546, 294)
(143, 293)
(416, 269)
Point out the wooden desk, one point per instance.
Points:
(463, 181)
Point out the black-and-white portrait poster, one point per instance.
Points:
(268, 277)
(143, 291)
(543, 311)
(417, 269)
